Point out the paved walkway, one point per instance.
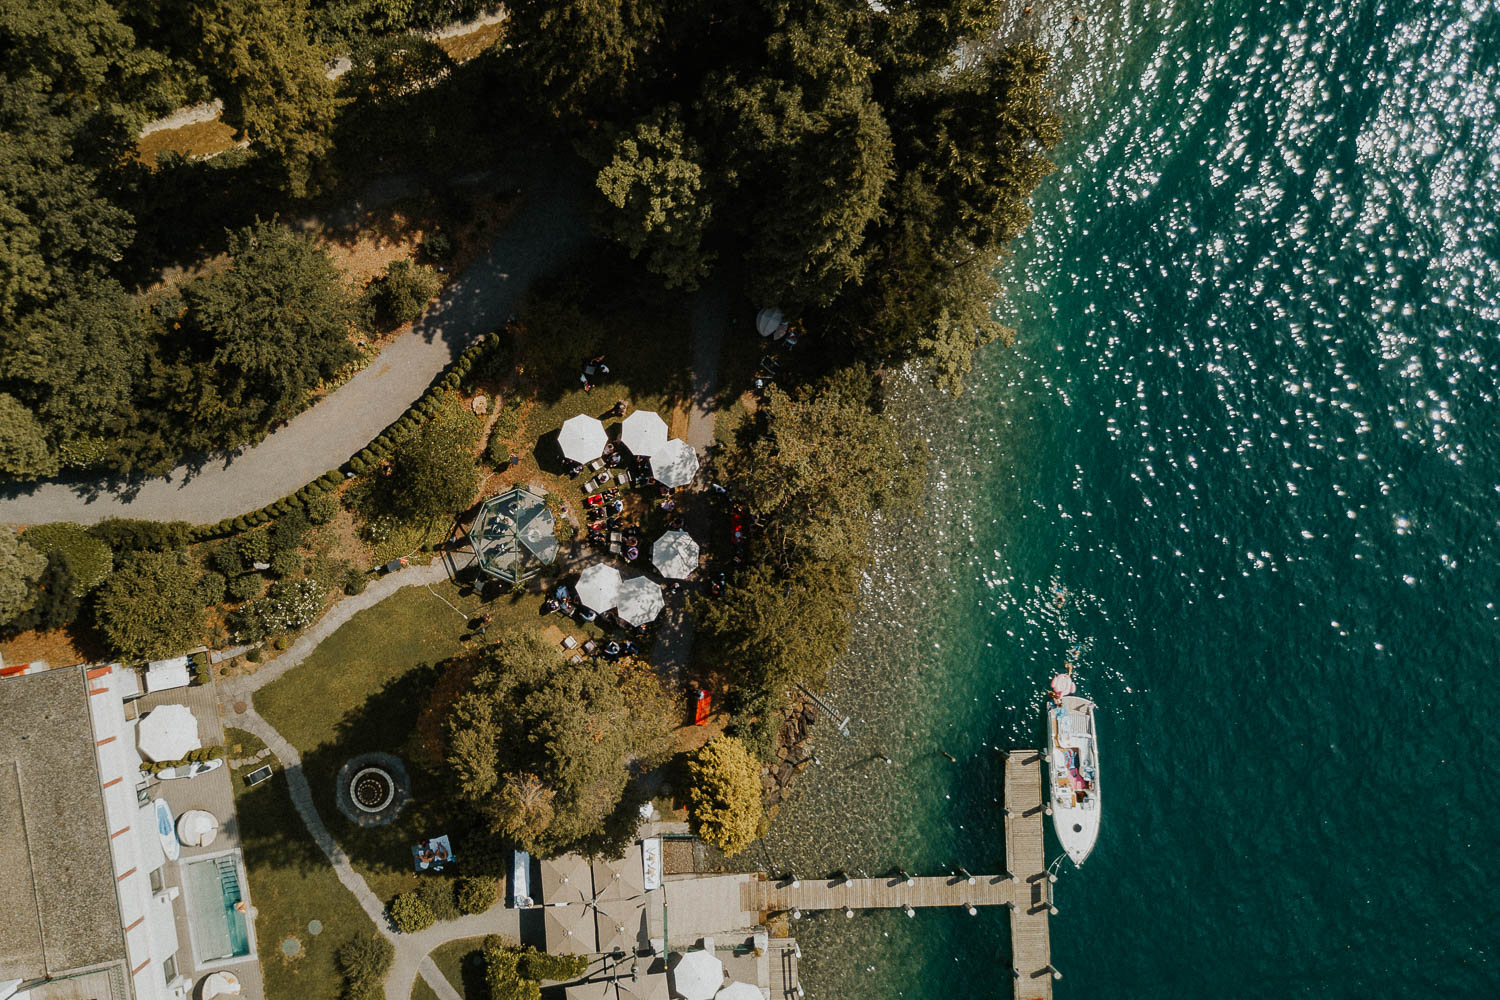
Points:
(546, 231)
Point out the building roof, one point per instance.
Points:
(56, 873)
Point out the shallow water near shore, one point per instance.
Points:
(1250, 427)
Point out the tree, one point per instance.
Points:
(512, 973)
(20, 567)
(149, 608)
(724, 794)
(272, 81)
(401, 294)
(432, 472)
(653, 184)
(363, 961)
(23, 442)
(538, 747)
(273, 324)
(76, 364)
(580, 58)
(89, 559)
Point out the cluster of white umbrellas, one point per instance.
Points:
(673, 461)
(635, 601)
(638, 599)
(699, 975)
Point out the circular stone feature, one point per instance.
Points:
(372, 789)
(315, 927)
(291, 947)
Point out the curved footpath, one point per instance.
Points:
(548, 228)
(412, 950)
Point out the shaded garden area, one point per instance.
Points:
(291, 884)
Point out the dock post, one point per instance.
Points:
(848, 913)
(909, 911)
(971, 908)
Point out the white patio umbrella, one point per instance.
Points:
(582, 438)
(698, 976)
(221, 984)
(644, 433)
(675, 554)
(768, 321)
(739, 991)
(197, 828)
(675, 464)
(598, 587)
(168, 733)
(638, 601)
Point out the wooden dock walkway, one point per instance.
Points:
(1025, 889)
(1026, 858)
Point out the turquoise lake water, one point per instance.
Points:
(1250, 426)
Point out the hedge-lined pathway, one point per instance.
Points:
(546, 231)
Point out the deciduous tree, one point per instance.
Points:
(724, 794)
(20, 566)
(149, 608)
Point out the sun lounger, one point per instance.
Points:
(569, 642)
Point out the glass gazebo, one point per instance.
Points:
(514, 535)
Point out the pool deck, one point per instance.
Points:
(212, 793)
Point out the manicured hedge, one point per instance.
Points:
(367, 458)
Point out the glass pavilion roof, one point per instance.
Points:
(514, 535)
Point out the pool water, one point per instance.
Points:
(212, 887)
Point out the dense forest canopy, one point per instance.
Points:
(866, 174)
(862, 166)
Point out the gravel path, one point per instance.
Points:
(548, 228)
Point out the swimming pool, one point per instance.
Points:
(212, 888)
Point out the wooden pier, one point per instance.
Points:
(1025, 889)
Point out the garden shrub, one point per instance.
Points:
(354, 581)
(211, 588)
(475, 895)
(89, 559)
(202, 669)
(540, 965)
(225, 557)
(437, 247)
(409, 913)
(363, 961)
(438, 893)
(246, 586)
(401, 294)
(131, 535)
(321, 509)
(254, 547)
(287, 563)
(288, 531)
(254, 656)
(289, 605)
(497, 452)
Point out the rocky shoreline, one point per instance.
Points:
(793, 754)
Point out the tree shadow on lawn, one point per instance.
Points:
(385, 722)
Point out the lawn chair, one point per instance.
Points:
(591, 647)
(569, 642)
(622, 478)
(597, 464)
(576, 658)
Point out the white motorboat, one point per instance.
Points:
(1073, 765)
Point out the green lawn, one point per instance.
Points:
(290, 885)
(362, 690)
(460, 963)
(421, 991)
